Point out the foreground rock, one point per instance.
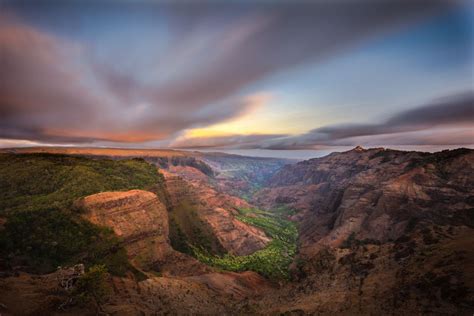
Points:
(209, 294)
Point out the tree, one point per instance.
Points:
(92, 287)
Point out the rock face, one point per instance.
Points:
(204, 214)
(136, 216)
(238, 285)
(381, 231)
(141, 220)
(406, 277)
(375, 194)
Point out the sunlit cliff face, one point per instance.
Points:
(292, 75)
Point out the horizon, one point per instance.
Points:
(297, 154)
(276, 79)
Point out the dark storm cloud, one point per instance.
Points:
(55, 88)
(424, 124)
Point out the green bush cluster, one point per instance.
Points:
(274, 260)
(36, 181)
(42, 229)
(274, 227)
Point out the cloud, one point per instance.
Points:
(259, 40)
(233, 141)
(36, 79)
(59, 89)
(446, 121)
(441, 136)
(51, 92)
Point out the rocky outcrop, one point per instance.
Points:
(236, 237)
(141, 221)
(136, 216)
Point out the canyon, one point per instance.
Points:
(367, 231)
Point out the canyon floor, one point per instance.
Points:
(146, 232)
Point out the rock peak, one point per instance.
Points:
(358, 148)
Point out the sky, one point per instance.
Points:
(251, 75)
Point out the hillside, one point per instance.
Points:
(42, 228)
(381, 230)
(376, 193)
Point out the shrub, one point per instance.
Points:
(92, 287)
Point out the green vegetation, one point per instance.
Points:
(42, 229)
(36, 181)
(92, 287)
(274, 226)
(45, 239)
(273, 261)
(284, 210)
(248, 193)
(178, 239)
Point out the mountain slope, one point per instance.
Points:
(377, 194)
(381, 230)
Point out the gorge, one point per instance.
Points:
(366, 231)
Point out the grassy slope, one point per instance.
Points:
(274, 260)
(35, 181)
(42, 229)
